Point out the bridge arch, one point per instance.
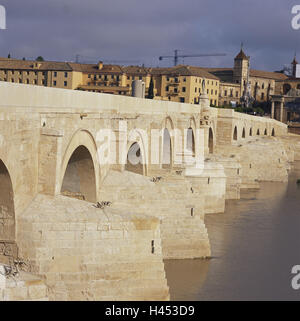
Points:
(266, 132)
(250, 132)
(167, 144)
(7, 214)
(190, 141)
(244, 133)
(258, 132)
(190, 137)
(235, 133)
(211, 141)
(135, 160)
(80, 169)
(167, 157)
(137, 149)
(273, 132)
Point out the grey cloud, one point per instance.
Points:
(143, 30)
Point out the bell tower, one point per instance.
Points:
(294, 66)
(241, 69)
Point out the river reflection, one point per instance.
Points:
(254, 243)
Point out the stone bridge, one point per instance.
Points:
(96, 190)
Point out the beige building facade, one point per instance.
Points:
(185, 84)
(233, 81)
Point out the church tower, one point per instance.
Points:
(294, 67)
(241, 69)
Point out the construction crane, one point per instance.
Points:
(176, 56)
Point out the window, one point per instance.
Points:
(184, 79)
(195, 89)
(208, 82)
(118, 78)
(54, 83)
(182, 99)
(167, 88)
(225, 93)
(27, 81)
(35, 81)
(20, 81)
(262, 96)
(65, 83)
(132, 77)
(216, 92)
(263, 86)
(66, 74)
(212, 92)
(89, 76)
(112, 77)
(128, 77)
(12, 80)
(175, 90)
(168, 78)
(237, 94)
(207, 91)
(105, 77)
(28, 72)
(183, 89)
(176, 79)
(141, 78)
(231, 92)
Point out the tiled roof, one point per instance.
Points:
(135, 70)
(183, 70)
(226, 73)
(241, 55)
(267, 74)
(15, 64)
(93, 68)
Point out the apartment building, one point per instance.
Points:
(40, 73)
(185, 84)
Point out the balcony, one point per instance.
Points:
(173, 83)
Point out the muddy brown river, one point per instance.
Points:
(255, 244)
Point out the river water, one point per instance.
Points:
(255, 244)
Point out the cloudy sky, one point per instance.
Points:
(139, 31)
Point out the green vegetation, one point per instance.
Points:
(257, 108)
(250, 110)
(151, 90)
(39, 58)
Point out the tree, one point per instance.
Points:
(39, 58)
(24, 58)
(151, 90)
(8, 56)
